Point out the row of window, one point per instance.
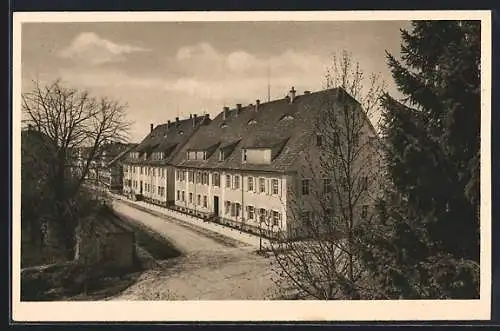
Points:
(181, 196)
(155, 172)
(160, 190)
(327, 185)
(308, 215)
(231, 181)
(262, 215)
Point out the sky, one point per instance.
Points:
(162, 70)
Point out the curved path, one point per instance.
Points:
(211, 267)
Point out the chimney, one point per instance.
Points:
(224, 113)
(190, 116)
(168, 124)
(257, 104)
(238, 108)
(291, 94)
(194, 120)
(177, 121)
(151, 127)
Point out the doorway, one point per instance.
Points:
(216, 205)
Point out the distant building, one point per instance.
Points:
(102, 171)
(111, 176)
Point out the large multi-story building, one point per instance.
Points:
(256, 167)
(148, 174)
(259, 165)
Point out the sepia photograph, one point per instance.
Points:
(225, 166)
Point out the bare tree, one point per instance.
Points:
(340, 183)
(71, 120)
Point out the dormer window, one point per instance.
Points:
(223, 125)
(244, 155)
(221, 155)
(252, 122)
(181, 132)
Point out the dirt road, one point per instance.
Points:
(210, 267)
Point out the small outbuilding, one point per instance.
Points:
(107, 242)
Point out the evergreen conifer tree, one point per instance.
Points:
(426, 243)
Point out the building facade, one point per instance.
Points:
(148, 174)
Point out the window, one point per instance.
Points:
(183, 196)
(227, 206)
(221, 155)
(327, 185)
(205, 201)
(251, 212)
(276, 218)
(262, 185)
(319, 140)
(236, 184)
(235, 209)
(364, 211)
(191, 176)
(160, 191)
(198, 198)
(198, 177)
(178, 195)
(250, 183)
(274, 186)
(305, 186)
(228, 180)
(244, 155)
(142, 169)
(216, 179)
(204, 178)
(190, 197)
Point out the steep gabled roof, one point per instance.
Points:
(287, 138)
(122, 155)
(168, 138)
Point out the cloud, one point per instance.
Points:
(91, 48)
(203, 60)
